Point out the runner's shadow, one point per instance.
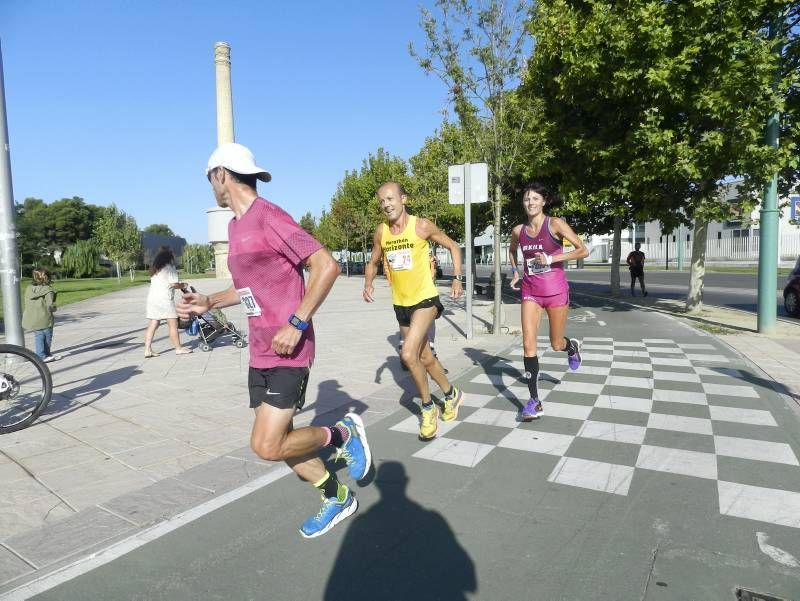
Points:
(398, 550)
(393, 363)
(332, 403)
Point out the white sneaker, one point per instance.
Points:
(50, 359)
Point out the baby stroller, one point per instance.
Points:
(214, 325)
(210, 326)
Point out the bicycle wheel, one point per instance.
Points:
(25, 387)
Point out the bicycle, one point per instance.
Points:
(25, 387)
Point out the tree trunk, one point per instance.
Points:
(497, 321)
(694, 300)
(116, 264)
(616, 254)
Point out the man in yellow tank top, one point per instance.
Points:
(404, 242)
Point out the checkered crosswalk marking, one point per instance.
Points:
(678, 408)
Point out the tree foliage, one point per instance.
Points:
(159, 228)
(354, 212)
(82, 259)
(308, 223)
(118, 237)
(478, 50)
(43, 229)
(652, 105)
(196, 258)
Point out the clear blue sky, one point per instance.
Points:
(114, 100)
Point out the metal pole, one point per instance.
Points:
(768, 229)
(469, 284)
(680, 247)
(8, 231)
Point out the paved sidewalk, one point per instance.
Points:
(129, 441)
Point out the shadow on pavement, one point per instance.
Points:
(107, 342)
(332, 404)
(400, 550)
(67, 401)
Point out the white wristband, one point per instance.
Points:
(549, 259)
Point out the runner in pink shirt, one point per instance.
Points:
(544, 283)
(267, 253)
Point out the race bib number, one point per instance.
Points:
(399, 260)
(533, 267)
(248, 301)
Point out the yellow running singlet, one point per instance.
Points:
(409, 265)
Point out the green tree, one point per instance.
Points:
(159, 228)
(45, 229)
(652, 106)
(354, 213)
(478, 50)
(119, 238)
(308, 223)
(31, 223)
(196, 258)
(81, 259)
(429, 184)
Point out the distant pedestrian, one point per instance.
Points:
(161, 302)
(266, 254)
(635, 263)
(405, 241)
(544, 283)
(37, 315)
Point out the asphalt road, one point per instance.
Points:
(733, 290)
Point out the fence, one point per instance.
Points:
(718, 250)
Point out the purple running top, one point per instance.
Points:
(541, 279)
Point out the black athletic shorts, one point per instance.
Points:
(404, 313)
(281, 387)
(636, 272)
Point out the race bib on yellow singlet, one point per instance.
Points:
(533, 267)
(248, 301)
(399, 260)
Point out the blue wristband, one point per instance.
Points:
(298, 323)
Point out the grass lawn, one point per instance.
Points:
(72, 290)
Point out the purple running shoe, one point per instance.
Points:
(533, 410)
(575, 359)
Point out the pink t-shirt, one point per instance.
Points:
(265, 257)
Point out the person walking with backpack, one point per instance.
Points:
(37, 314)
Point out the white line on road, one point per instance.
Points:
(779, 555)
(95, 560)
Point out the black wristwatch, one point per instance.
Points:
(458, 278)
(298, 323)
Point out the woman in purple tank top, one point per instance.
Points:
(544, 283)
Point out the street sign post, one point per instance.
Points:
(468, 184)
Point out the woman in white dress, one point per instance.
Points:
(161, 302)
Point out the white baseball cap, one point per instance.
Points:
(236, 158)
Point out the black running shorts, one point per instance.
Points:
(281, 387)
(404, 313)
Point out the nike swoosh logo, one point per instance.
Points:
(272, 393)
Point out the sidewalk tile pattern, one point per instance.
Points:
(667, 406)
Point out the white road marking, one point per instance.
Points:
(779, 555)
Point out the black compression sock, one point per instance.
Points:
(532, 375)
(329, 486)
